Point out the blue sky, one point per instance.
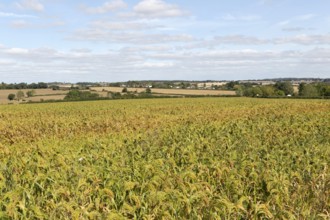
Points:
(119, 40)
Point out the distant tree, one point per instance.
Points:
(301, 88)
(247, 92)
(148, 90)
(115, 84)
(80, 95)
(11, 97)
(286, 87)
(326, 91)
(124, 90)
(308, 90)
(239, 90)
(54, 87)
(184, 85)
(30, 93)
(268, 91)
(231, 85)
(42, 85)
(280, 93)
(20, 95)
(33, 86)
(323, 89)
(256, 91)
(253, 91)
(21, 86)
(114, 95)
(73, 94)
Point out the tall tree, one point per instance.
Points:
(20, 95)
(309, 90)
(286, 87)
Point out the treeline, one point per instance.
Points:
(155, 84)
(40, 85)
(299, 79)
(77, 95)
(281, 89)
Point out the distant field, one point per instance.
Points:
(186, 158)
(45, 94)
(49, 94)
(45, 98)
(168, 91)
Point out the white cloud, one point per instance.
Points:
(6, 62)
(20, 24)
(157, 9)
(106, 7)
(148, 48)
(156, 64)
(127, 36)
(17, 51)
(148, 44)
(117, 26)
(47, 64)
(239, 39)
(81, 50)
(14, 15)
(296, 29)
(230, 17)
(34, 5)
(304, 39)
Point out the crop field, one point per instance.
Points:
(46, 98)
(168, 91)
(187, 158)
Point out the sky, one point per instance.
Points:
(120, 40)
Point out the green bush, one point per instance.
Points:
(81, 95)
(11, 97)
